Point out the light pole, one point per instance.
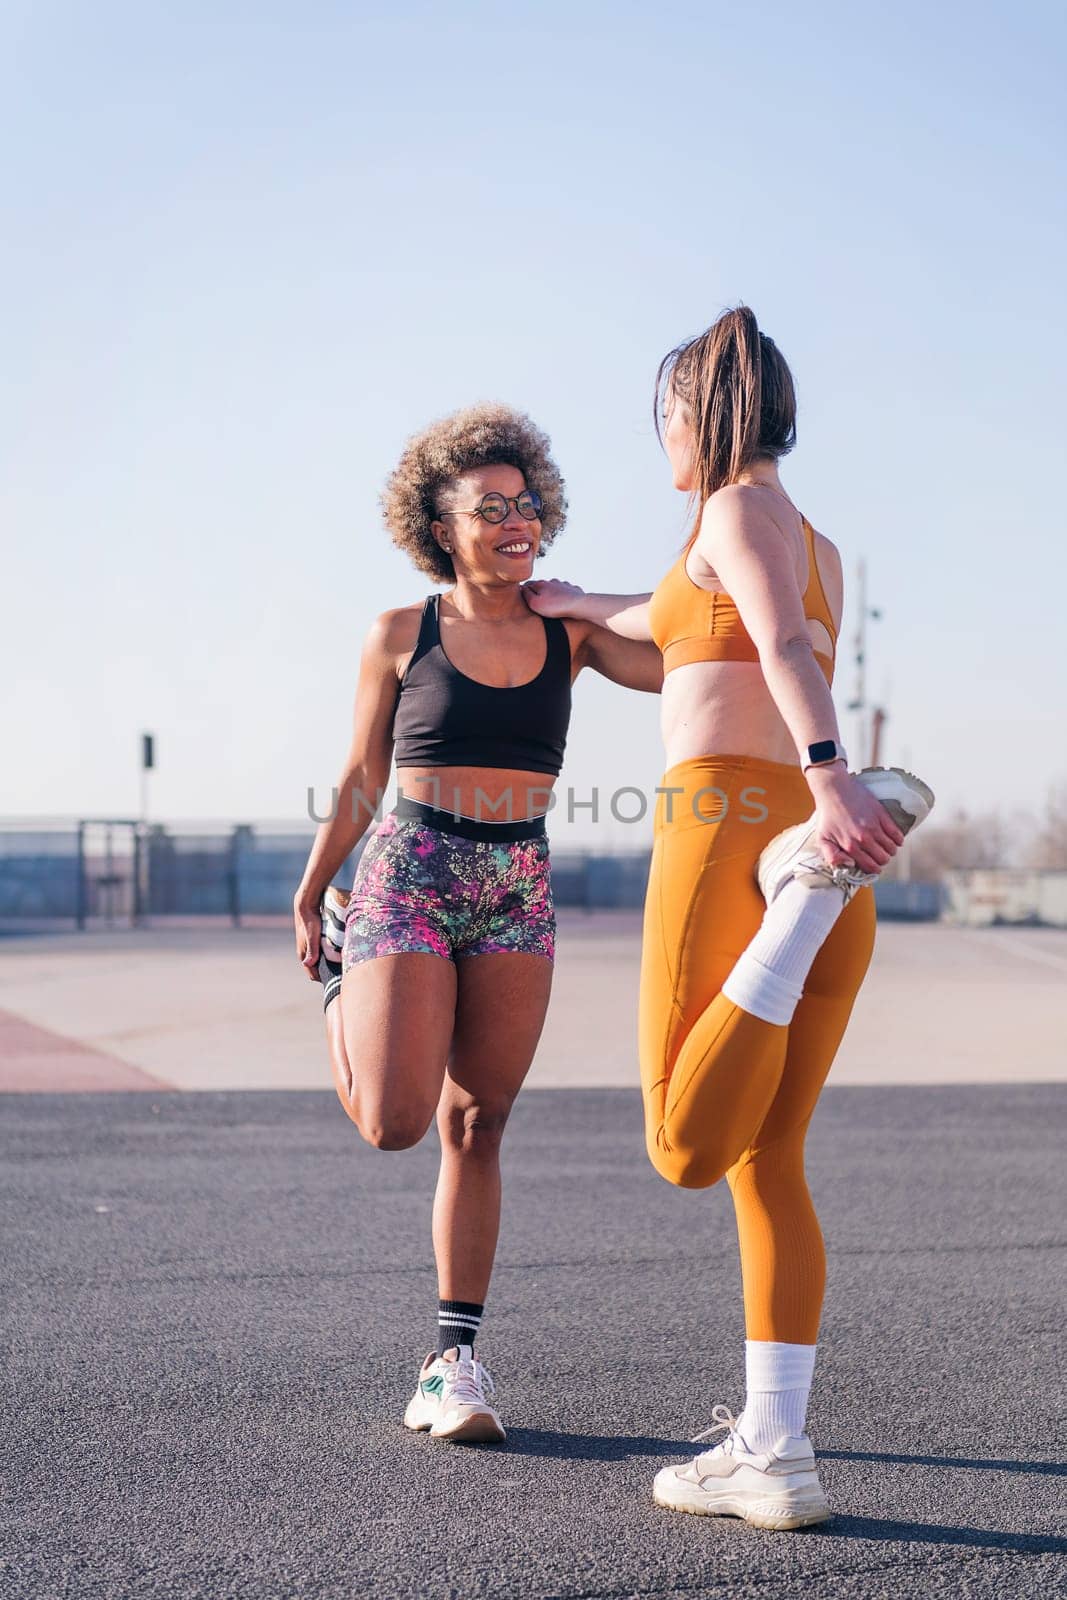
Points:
(148, 761)
(859, 701)
(141, 867)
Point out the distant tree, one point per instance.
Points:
(1048, 847)
(962, 840)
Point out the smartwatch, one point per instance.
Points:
(823, 752)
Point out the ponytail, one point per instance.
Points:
(740, 396)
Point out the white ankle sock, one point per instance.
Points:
(777, 1385)
(768, 977)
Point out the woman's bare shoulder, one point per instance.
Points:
(396, 632)
(751, 512)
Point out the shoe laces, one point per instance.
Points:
(468, 1382)
(843, 877)
(724, 1419)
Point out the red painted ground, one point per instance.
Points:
(35, 1060)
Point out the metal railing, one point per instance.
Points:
(113, 871)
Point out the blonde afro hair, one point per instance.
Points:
(477, 436)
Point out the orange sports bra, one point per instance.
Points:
(693, 624)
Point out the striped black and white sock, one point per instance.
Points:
(457, 1323)
(329, 976)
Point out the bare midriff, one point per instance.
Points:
(491, 794)
(724, 708)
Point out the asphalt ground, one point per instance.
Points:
(215, 1304)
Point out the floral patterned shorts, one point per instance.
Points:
(421, 888)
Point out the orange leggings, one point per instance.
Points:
(727, 1094)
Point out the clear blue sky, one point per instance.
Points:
(248, 248)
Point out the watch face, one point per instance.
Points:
(825, 750)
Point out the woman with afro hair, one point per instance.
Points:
(440, 959)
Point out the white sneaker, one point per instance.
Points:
(792, 853)
(450, 1401)
(334, 909)
(776, 1488)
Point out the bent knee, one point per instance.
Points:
(387, 1127)
(390, 1133)
(474, 1130)
(686, 1169)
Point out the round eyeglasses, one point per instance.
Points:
(494, 507)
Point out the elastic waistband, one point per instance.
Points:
(409, 810)
(748, 766)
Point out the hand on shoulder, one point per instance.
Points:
(553, 597)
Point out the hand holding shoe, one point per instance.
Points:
(852, 827)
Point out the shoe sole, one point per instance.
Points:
(903, 819)
(414, 1420)
(481, 1427)
(757, 1513)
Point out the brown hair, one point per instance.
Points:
(479, 436)
(740, 395)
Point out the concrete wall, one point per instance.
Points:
(982, 896)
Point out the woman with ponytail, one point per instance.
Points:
(759, 919)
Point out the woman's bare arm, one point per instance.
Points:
(622, 614)
(363, 777)
(750, 557)
(633, 663)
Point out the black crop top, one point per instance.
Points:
(445, 719)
